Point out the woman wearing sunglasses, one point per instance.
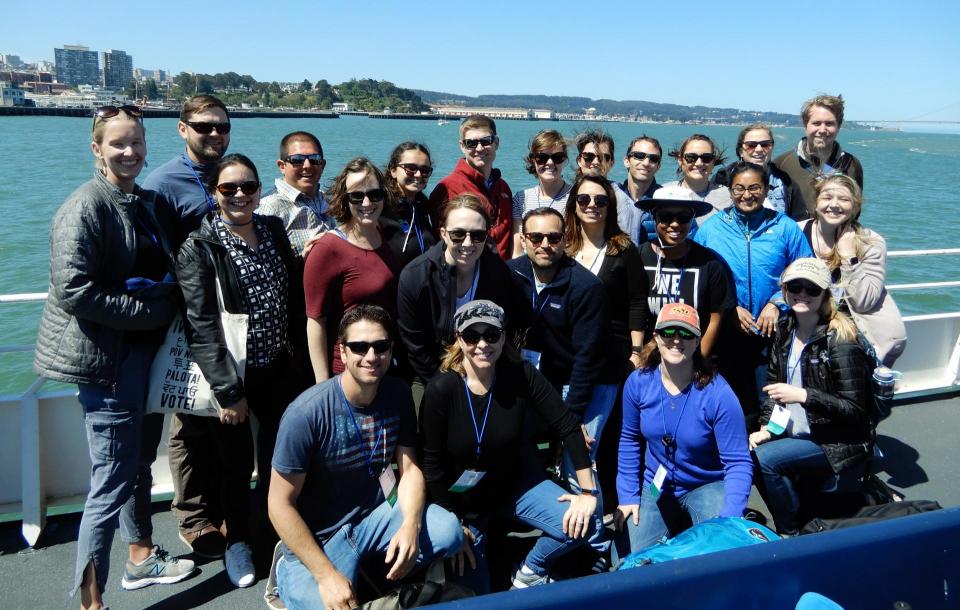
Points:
(455, 271)
(349, 265)
(480, 464)
(816, 421)
(755, 145)
(248, 259)
(696, 159)
(678, 269)
(546, 160)
(408, 227)
(857, 258)
(757, 244)
(696, 465)
(111, 297)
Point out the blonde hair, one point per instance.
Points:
(838, 322)
(861, 239)
(452, 359)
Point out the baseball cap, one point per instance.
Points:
(478, 312)
(813, 270)
(679, 315)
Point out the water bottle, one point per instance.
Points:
(884, 382)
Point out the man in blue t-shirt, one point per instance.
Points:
(333, 496)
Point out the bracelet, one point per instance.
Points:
(591, 492)
(636, 349)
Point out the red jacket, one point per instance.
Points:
(465, 179)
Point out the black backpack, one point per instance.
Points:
(872, 514)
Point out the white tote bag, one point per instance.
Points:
(176, 383)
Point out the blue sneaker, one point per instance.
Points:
(157, 569)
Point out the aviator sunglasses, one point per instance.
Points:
(601, 201)
(206, 129)
(108, 112)
(229, 189)
(537, 238)
(298, 160)
(472, 337)
(589, 158)
(374, 195)
(798, 287)
(361, 348)
(636, 155)
(412, 168)
(707, 158)
(675, 331)
(484, 141)
(542, 158)
(458, 236)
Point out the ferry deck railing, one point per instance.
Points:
(932, 370)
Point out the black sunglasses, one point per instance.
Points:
(108, 112)
(537, 238)
(589, 158)
(374, 195)
(206, 129)
(640, 156)
(229, 189)
(750, 144)
(360, 348)
(542, 158)
(458, 236)
(797, 287)
(674, 331)
(484, 141)
(601, 201)
(314, 159)
(412, 168)
(472, 337)
(705, 157)
(668, 218)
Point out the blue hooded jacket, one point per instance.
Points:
(757, 248)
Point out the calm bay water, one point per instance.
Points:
(44, 158)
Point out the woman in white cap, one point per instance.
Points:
(816, 422)
(479, 464)
(696, 465)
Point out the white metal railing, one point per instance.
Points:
(34, 495)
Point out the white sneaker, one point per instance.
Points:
(239, 562)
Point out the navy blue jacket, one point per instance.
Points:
(183, 183)
(570, 327)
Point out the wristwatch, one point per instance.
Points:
(636, 349)
(592, 492)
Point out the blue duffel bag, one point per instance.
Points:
(710, 536)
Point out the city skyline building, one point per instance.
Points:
(77, 65)
(117, 68)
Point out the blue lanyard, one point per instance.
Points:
(415, 228)
(674, 297)
(356, 426)
(533, 298)
(670, 442)
(196, 176)
(791, 370)
(479, 431)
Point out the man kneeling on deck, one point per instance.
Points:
(334, 498)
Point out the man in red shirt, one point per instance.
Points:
(475, 174)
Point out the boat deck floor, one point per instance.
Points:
(917, 441)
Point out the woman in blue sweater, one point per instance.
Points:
(696, 465)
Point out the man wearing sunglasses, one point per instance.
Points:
(334, 497)
(475, 174)
(642, 162)
(570, 330)
(205, 128)
(298, 200)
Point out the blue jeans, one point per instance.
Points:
(659, 516)
(781, 463)
(534, 502)
(123, 444)
(594, 419)
(440, 536)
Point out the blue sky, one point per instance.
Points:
(890, 60)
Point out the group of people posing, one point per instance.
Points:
(408, 357)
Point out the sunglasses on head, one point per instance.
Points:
(374, 195)
(601, 201)
(474, 142)
(668, 218)
(705, 157)
(640, 156)
(542, 158)
(206, 129)
(472, 337)
(108, 112)
(589, 158)
(755, 189)
(229, 189)
(750, 144)
(537, 238)
(675, 331)
(796, 287)
(314, 159)
(361, 348)
(412, 168)
(458, 236)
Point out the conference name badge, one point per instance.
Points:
(388, 483)
(778, 419)
(467, 481)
